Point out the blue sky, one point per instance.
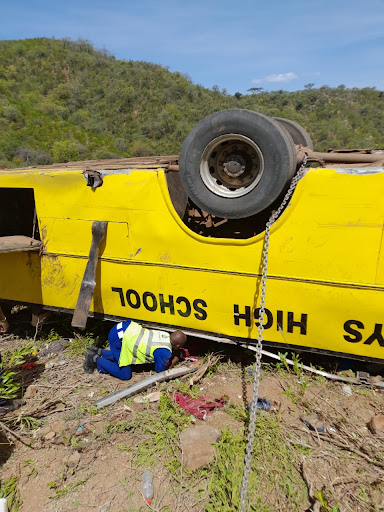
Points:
(279, 44)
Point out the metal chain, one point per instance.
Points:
(259, 345)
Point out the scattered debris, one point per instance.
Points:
(211, 361)
(3, 505)
(262, 404)
(196, 446)
(362, 377)
(186, 356)
(199, 407)
(55, 347)
(28, 366)
(59, 361)
(148, 486)
(313, 422)
(332, 376)
(346, 390)
(151, 397)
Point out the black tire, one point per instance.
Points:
(258, 146)
(297, 132)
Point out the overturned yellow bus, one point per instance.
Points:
(118, 239)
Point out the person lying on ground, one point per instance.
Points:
(130, 344)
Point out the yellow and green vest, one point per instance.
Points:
(139, 344)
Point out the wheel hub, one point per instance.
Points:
(231, 165)
(234, 165)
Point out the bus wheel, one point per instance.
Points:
(236, 163)
(298, 133)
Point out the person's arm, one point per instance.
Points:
(3, 323)
(161, 357)
(171, 362)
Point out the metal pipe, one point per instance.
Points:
(352, 157)
(143, 384)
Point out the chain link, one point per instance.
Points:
(259, 344)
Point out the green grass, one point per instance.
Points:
(11, 361)
(160, 431)
(8, 489)
(238, 412)
(61, 492)
(80, 345)
(274, 479)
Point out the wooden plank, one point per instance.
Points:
(18, 243)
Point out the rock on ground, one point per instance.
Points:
(376, 424)
(196, 446)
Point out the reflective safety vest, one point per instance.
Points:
(139, 344)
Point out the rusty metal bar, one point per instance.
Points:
(88, 283)
(339, 157)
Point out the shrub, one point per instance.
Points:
(64, 151)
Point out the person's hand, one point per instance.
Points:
(171, 363)
(4, 325)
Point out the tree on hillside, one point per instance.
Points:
(67, 100)
(255, 89)
(65, 151)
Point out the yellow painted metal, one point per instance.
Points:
(326, 264)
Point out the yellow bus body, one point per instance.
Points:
(325, 288)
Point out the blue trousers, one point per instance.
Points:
(108, 362)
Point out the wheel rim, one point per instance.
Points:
(231, 165)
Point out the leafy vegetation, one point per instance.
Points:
(62, 490)
(274, 471)
(8, 489)
(62, 100)
(9, 387)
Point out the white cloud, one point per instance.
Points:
(277, 77)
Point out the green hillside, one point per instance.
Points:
(62, 100)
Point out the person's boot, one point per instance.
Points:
(95, 350)
(90, 361)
